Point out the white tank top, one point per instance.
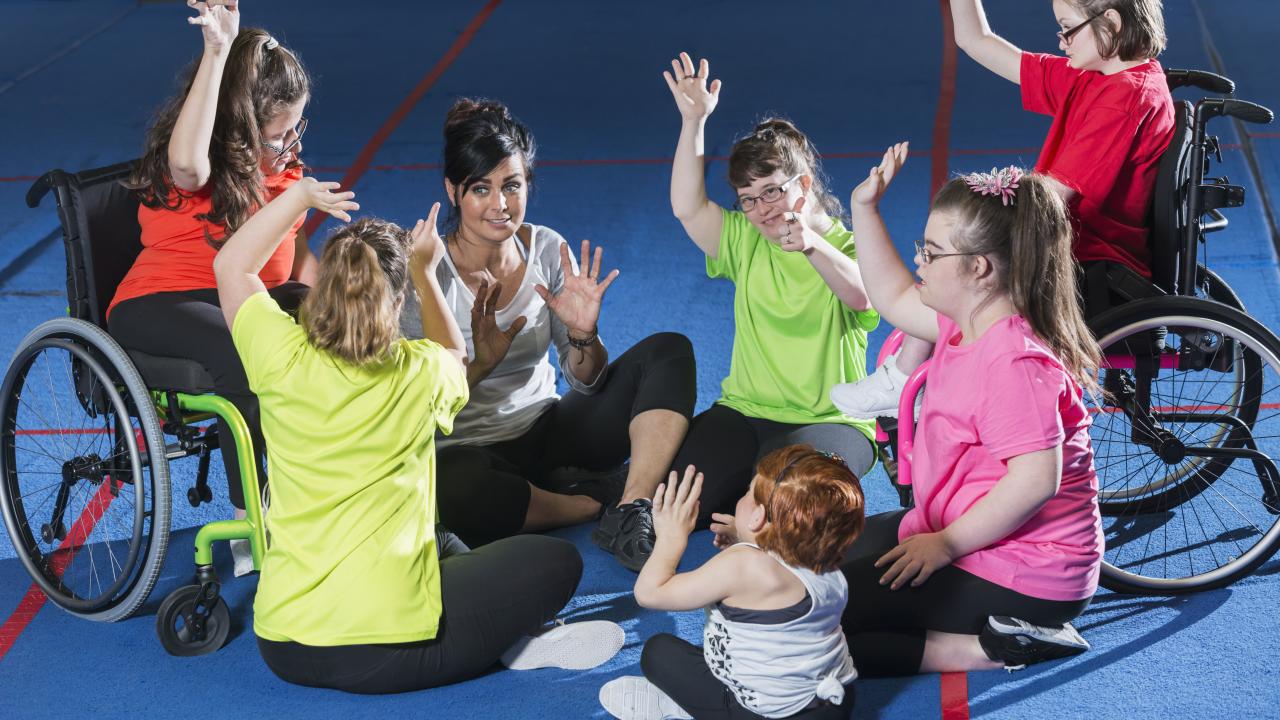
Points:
(777, 669)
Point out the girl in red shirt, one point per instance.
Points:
(215, 153)
(1112, 121)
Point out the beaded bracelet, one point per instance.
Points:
(586, 342)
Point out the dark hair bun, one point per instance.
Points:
(470, 109)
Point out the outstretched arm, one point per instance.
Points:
(696, 100)
(438, 324)
(237, 264)
(889, 284)
(974, 37)
(189, 144)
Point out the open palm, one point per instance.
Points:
(219, 20)
(577, 305)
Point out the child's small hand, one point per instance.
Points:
(219, 20)
(321, 196)
(799, 237)
(675, 505)
(726, 533)
(428, 247)
(868, 193)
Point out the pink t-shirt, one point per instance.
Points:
(1006, 395)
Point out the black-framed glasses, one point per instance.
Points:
(296, 131)
(928, 256)
(747, 203)
(782, 475)
(1066, 35)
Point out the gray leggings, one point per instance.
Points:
(725, 445)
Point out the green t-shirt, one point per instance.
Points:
(793, 340)
(351, 456)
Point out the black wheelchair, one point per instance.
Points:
(87, 430)
(1185, 430)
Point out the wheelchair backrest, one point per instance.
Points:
(1169, 203)
(100, 233)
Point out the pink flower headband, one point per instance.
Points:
(1002, 183)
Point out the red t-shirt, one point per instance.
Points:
(1106, 140)
(176, 256)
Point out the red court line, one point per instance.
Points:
(955, 695)
(946, 101)
(365, 158)
(35, 598)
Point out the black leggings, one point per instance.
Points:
(679, 670)
(886, 628)
(483, 490)
(190, 325)
(491, 597)
(725, 445)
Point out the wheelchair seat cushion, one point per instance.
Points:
(167, 373)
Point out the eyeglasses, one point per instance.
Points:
(296, 131)
(747, 203)
(782, 475)
(1066, 35)
(928, 256)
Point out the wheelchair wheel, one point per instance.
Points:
(193, 620)
(84, 481)
(1183, 439)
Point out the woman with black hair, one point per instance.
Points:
(522, 458)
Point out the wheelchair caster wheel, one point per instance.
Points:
(199, 494)
(193, 620)
(49, 533)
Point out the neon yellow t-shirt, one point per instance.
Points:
(351, 457)
(792, 338)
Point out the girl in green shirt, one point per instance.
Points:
(800, 311)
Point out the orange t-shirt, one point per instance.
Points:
(176, 256)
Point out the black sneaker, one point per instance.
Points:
(603, 486)
(1018, 643)
(627, 532)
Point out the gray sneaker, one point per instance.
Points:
(1018, 643)
(627, 532)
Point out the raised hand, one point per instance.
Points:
(724, 529)
(675, 505)
(869, 192)
(489, 342)
(428, 247)
(694, 97)
(321, 196)
(219, 20)
(578, 302)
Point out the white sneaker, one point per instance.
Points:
(631, 697)
(573, 646)
(874, 396)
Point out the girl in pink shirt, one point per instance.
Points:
(1004, 544)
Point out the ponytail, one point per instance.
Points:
(353, 310)
(1029, 242)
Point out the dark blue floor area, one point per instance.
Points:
(79, 81)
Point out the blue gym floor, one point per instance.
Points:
(79, 81)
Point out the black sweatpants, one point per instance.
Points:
(491, 597)
(725, 446)
(679, 670)
(190, 325)
(483, 490)
(886, 628)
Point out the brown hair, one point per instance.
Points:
(1141, 34)
(256, 84)
(353, 310)
(776, 144)
(815, 513)
(1029, 242)
(478, 136)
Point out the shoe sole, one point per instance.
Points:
(635, 698)
(1071, 640)
(575, 646)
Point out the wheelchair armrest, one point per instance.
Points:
(43, 185)
(1212, 82)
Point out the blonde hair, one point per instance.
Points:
(353, 310)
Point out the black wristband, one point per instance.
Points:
(586, 342)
